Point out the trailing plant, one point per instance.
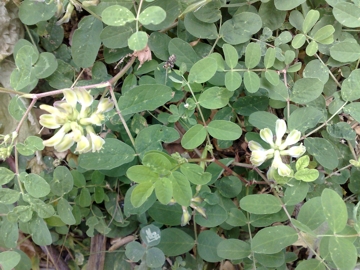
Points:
(219, 132)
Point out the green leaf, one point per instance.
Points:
(269, 58)
(194, 137)
(263, 120)
(5, 175)
(117, 36)
(9, 259)
(260, 204)
(154, 257)
(207, 246)
(347, 14)
(276, 92)
(350, 90)
(40, 232)
(312, 48)
(9, 196)
(311, 214)
(288, 5)
(325, 34)
(140, 193)
(116, 15)
(62, 181)
(16, 107)
(236, 218)
(307, 175)
(163, 190)
(166, 214)
(343, 253)
(310, 19)
(354, 110)
(141, 173)
(316, 69)
(202, 70)
(199, 28)
(152, 15)
(272, 76)
(35, 185)
(304, 118)
(86, 41)
(273, 239)
(151, 138)
(341, 130)
(113, 154)
(229, 186)
(240, 28)
(84, 197)
(138, 41)
(345, 52)
(334, 210)
(251, 81)
(323, 151)
(64, 210)
(144, 97)
(224, 130)
(306, 90)
(233, 249)
(249, 104)
(215, 215)
(30, 146)
(181, 189)
(184, 53)
(252, 55)
(175, 242)
(313, 264)
(295, 193)
(40, 11)
(215, 98)
(9, 233)
(150, 235)
(298, 41)
(195, 174)
(231, 55)
(134, 251)
(45, 66)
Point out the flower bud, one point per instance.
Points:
(71, 97)
(185, 216)
(105, 105)
(84, 98)
(83, 145)
(49, 121)
(294, 151)
(291, 139)
(267, 136)
(66, 143)
(280, 130)
(253, 146)
(57, 138)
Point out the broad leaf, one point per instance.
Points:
(202, 70)
(224, 130)
(334, 210)
(260, 204)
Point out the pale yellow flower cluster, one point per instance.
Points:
(75, 126)
(277, 149)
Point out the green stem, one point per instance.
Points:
(339, 170)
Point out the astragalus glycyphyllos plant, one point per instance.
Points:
(278, 148)
(75, 126)
(191, 83)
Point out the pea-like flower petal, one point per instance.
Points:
(105, 105)
(57, 138)
(267, 136)
(284, 170)
(96, 142)
(291, 139)
(258, 157)
(294, 151)
(71, 97)
(49, 121)
(255, 146)
(280, 130)
(65, 144)
(84, 97)
(83, 146)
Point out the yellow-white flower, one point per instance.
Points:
(277, 149)
(75, 126)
